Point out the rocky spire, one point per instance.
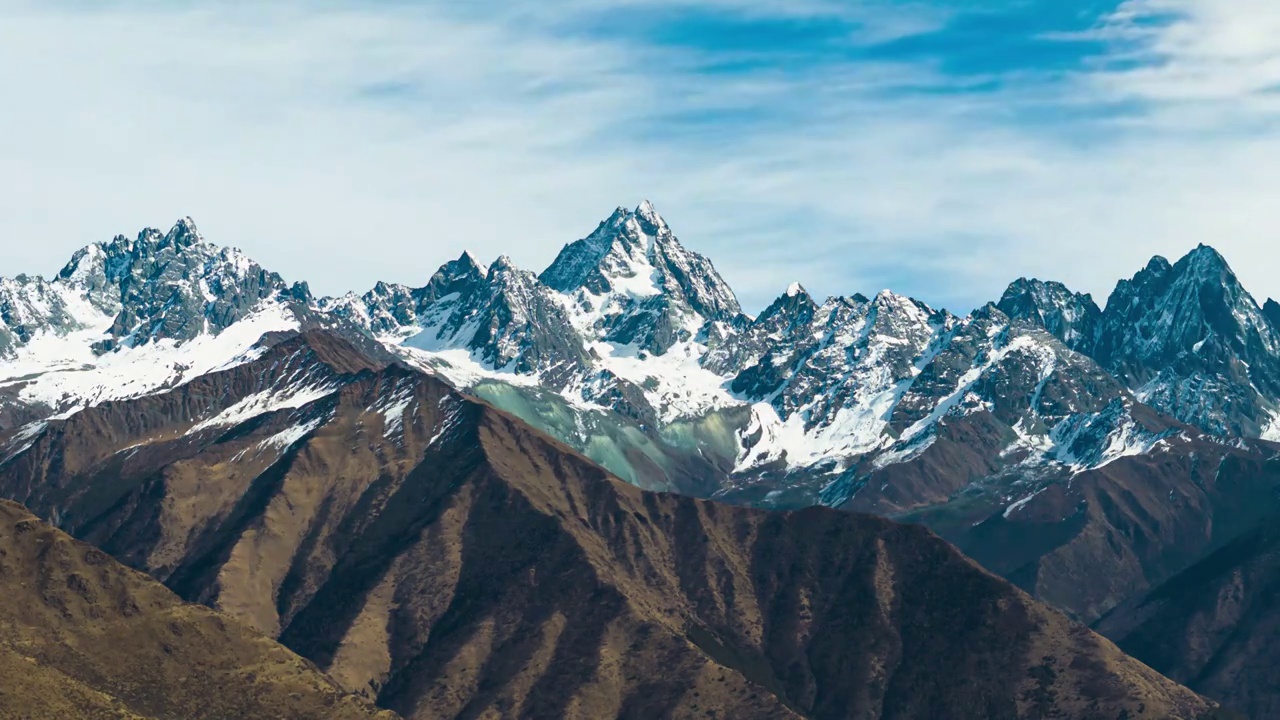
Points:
(632, 282)
(1071, 317)
(1189, 339)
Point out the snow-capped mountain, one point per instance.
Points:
(804, 403)
(1193, 343)
(132, 315)
(1185, 337)
(627, 327)
(1039, 411)
(631, 282)
(392, 309)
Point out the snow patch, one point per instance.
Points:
(1015, 507)
(286, 439)
(261, 404)
(62, 371)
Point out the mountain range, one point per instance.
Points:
(309, 464)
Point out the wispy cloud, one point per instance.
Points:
(936, 147)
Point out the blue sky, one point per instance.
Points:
(937, 147)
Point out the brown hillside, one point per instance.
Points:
(1216, 626)
(1094, 540)
(82, 636)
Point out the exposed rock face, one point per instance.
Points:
(507, 321)
(171, 286)
(779, 331)
(444, 558)
(82, 636)
(1272, 310)
(1216, 625)
(391, 309)
(1193, 343)
(1071, 317)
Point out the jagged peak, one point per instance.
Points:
(795, 300)
(184, 234)
(890, 299)
(1206, 253)
(991, 312)
(1068, 315)
(301, 291)
(505, 273)
(1039, 289)
(1159, 265)
(650, 220)
(1271, 309)
(1203, 261)
(383, 288)
(467, 259)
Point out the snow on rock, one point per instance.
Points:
(62, 371)
(1272, 433)
(258, 404)
(1092, 441)
(290, 436)
(630, 321)
(631, 282)
(1018, 505)
(394, 404)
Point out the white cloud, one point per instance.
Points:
(374, 141)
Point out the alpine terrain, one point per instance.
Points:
(420, 489)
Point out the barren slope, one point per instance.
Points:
(1216, 627)
(81, 636)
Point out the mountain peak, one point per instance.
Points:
(1271, 309)
(650, 220)
(504, 264)
(183, 235)
(1205, 257)
(1193, 322)
(466, 259)
(1071, 317)
(795, 299)
(1158, 265)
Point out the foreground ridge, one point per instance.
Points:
(82, 636)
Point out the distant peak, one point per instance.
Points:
(889, 297)
(1206, 255)
(649, 217)
(1159, 264)
(1271, 309)
(184, 234)
(795, 289)
(504, 263)
(466, 259)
